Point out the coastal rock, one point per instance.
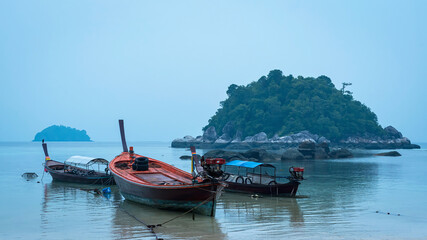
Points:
(198, 139)
(224, 138)
(392, 132)
(304, 136)
(210, 135)
(323, 140)
(188, 138)
(286, 139)
(309, 145)
(275, 138)
(260, 137)
(186, 157)
(324, 146)
(389, 154)
(292, 154)
(320, 153)
(237, 137)
(210, 140)
(238, 145)
(260, 154)
(229, 130)
(183, 142)
(340, 153)
(250, 155)
(307, 148)
(378, 143)
(411, 146)
(227, 155)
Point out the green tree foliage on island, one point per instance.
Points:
(61, 133)
(279, 104)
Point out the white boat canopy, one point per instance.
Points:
(85, 161)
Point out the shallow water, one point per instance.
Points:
(343, 197)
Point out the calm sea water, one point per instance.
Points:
(346, 199)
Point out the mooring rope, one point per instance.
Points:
(150, 227)
(41, 180)
(192, 209)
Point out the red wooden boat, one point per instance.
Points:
(78, 169)
(155, 183)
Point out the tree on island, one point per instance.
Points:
(278, 104)
(61, 133)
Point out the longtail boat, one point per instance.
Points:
(155, 183)
(78, 169)
(253, 177)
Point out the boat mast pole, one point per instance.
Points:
(46, 154)
(122, 134)
(193, 152)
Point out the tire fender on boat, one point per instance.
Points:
(225, 176)
(272, 183)
(241, 179)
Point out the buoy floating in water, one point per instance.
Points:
(106, 190)
(29, 175)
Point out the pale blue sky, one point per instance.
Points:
(164, 66)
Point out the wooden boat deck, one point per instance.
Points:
(158, 173)
(160, 179)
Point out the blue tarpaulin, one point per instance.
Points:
(240, 163)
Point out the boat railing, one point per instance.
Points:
(261, 179)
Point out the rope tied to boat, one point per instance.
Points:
(191, 210)
(150, 227)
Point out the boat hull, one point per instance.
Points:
(200, 197)
(56, 171)
(286, 189)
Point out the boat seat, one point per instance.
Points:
(158, 179)
(263, 179)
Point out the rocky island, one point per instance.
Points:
(61, 133)
(278, 112)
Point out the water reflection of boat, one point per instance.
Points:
(261, 210)
(127, 227)
(78, 169)
(158, 184)
(70, 206)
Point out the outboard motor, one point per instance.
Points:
(296, 173)
(212, 166)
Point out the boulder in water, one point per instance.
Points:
(340, 153)
(210, 135)
(292, 154)
(389, 154)
(259, 154)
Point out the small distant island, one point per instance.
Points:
(62, 133)
(278, 112)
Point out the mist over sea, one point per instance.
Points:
(356, 198)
